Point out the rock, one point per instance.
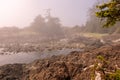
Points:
(75, 66)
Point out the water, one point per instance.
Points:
(29, 57)
(18, 58)
(46, 54)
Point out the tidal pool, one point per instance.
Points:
(29, 57)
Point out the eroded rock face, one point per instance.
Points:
(75, 66)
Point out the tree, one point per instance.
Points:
(110, 12)
(93, 23)
(54, 29)
(49, 27)
(38, 25)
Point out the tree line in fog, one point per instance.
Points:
(51, 27)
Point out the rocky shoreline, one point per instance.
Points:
(75, 66)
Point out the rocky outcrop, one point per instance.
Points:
(75, 66)
(11, 72)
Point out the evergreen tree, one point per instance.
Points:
(110, 12)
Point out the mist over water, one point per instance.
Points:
(46, 34)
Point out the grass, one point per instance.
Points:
(94, 35)
(113, 76)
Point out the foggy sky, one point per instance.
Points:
(22, 12)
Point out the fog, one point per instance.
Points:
(21, 13)
(59, 40)
(50, 27)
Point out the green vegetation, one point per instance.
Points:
(97, 67)
(110, 12)
(113, 76)
(95, 23)
(101, 58)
